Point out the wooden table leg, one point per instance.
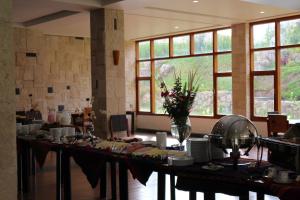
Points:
(193, 195)
(172, 187)
(113, 181)
(161, 186)
(25, 170)
(67, 177)
(19, 171)
(58, 174)
(209, 196)
(103, 182)
(244, 196)
(123, 181)
(260, 196)
(33, 163)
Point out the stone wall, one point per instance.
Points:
(130, 75)
(8, 177)
(108, 78)
(240, 69)
(44, 61)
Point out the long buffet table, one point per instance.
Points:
(93, 163)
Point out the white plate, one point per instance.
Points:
(180, 161)
(153, 143)
(276, 180)
(212, 167)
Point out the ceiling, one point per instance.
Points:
(147, 18)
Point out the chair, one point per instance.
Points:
(118, 123)
(77, 121)
(86, 118)
(277, 124)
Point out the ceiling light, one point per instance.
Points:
(176, 27)
(195, 1)
(262, 12)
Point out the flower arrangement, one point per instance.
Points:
(179, 100)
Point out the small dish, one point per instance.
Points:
(149, 143)
(276, 180)
(180, 161)
(212, 167)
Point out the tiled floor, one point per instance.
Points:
(43, 186)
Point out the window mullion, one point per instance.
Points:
(215, 70)
(152, 81)
(277, 92)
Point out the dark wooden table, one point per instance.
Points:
(191, 178)
(26, 157)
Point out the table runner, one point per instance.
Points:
(41, 150)
(284, 191)
(139, 169)
(233, 182)
(90, 162)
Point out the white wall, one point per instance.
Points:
(199, 125)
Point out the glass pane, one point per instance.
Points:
(290, 32)
(144, 96)
(181, 45)
(264, 35)
(263, 95)
(161, 48)
(264, 60)
(145, 69)
(224, 63)
(164, 70)
(144, 50)
(290, 82)
(224, 40)
(203, 43)
(224, 95)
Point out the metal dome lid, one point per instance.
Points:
(234, 131)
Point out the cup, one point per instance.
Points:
(71, 131)
(64, 131)
(56, 133)
(161, 140)
(25, 129)
(19, 128)
(283, 176)
(34, 127)
(272, 172)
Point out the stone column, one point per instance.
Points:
(8, 178)
(240, 69)
(108, 79)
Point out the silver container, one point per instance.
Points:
(199, 149)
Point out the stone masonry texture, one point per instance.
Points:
(108, 80)
(8, 170)
(44, 61)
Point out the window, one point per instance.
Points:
(275, 68)
(223, 72)
(207, 52)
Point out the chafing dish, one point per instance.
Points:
(234, 132)
(284, 151)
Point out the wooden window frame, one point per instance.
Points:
(275, 73)
(192, 53)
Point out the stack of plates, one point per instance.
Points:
(180, 161)
(199, 149)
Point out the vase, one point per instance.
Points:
(181, 131)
